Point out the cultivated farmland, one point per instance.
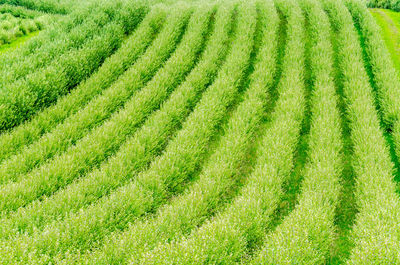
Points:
(199, 132)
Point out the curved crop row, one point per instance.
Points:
(108, 73)
(58, 41)
(376, 233)
(12, 27)
(231, 235)
(385, 76)
(97, 110)
(100, 108)
(19, 11)
(384, 73)
(76, 38)
(48, 6)
(388, 29)
(45, 40)
(25, 97)
(306, 234)
(106, 139)
(215, 184)
(223, 15)
(44, 43)
(138, 151)
(153, 187)
(216, 181)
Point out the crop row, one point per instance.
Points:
(21, 98)
(12, 27)
(168, 134)
(375, 234)
(20, 12)
(178, 162)
(306, 235)
(140, 148)
(48, 6)
(385, 76)
(70, 32)
(98, 109)
(233, 233)
(102, 142)
(67, 106)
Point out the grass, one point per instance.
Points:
(389, 22)
(17, 43)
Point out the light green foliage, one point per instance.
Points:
(21, 99)
(217, 178)
(79, 124)
(389, 32)
(385, 76)
(376, 233)
(198, 132)
(180, 159)
(111, 69)
(226, 238)
(15, 24)
(306, 235)
(138, 151)
(168, 77)
(89, 150)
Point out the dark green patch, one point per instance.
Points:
(282, 39)
(291, 186)
(347, 209)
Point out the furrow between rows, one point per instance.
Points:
(375, 234)
(105, 140)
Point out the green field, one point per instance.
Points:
(200, 132)
(389, 23)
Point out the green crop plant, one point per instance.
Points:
(215, 181)
(140, 149)
(199, 132)
(302, 238)
(229, 237)
(114, 66)
(97, 110)
(81, 157)
(376, 233)
(184, 153)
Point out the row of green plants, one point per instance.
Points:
(215, 184)
(70, 32)
(166, 175)
(20, 12)
(27, 90)
(106, 139)
(385, 76)
(388, 4)
(48, 6)
(12, 27)
(234, 234)
(384, 73)
(307, 234)
(17, 67)
(140, 148)
(375, 233)
(207, 193)
(388, 22)
(63, 135)
(47, 120)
